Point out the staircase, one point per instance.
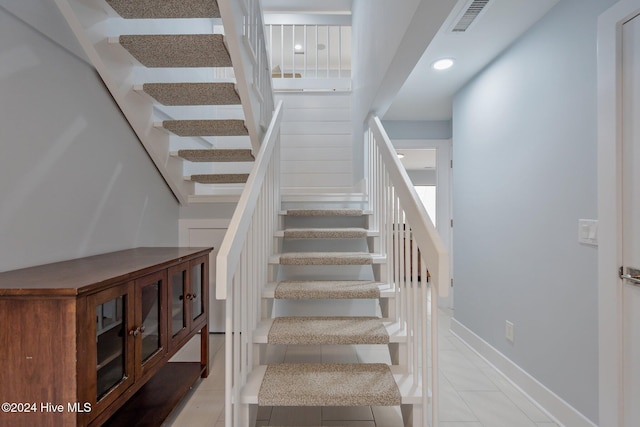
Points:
(329, 384)
(214, 135)
(169, 67)
(323, 276)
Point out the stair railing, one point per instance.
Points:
(416, 260)
(244, 36)
(309, 55)
(242, 264)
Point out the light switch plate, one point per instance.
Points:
(588, 231)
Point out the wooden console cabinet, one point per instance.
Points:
(86, 342)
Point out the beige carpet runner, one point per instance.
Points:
(216, 155)
(154, 9)
(324, 212)
(326, 289)
(325, 233)
(178, 50)
(327, 330)
(229, 178)
(206, 127)
(326, 258)
(313, 384)
(193, 93)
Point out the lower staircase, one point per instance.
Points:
(304, 283)
(279, 383)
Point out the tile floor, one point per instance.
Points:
(472, 393)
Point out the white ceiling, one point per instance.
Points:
(427, 94)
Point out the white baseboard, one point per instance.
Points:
(553, 405)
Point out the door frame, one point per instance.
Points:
(609, 60)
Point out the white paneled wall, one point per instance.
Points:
(316, 142)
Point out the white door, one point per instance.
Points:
(631, 221)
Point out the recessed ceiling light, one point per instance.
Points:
(400, 156)
(442, 64)
(298, 47)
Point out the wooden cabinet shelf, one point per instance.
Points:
(92, 332)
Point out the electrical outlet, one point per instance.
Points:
(509, 331)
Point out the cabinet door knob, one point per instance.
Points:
(142, 328)
(135, 332)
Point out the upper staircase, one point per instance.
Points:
(170, 68)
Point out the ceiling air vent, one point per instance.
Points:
(469, 15)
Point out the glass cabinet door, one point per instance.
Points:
(113, 352)
(111, 343)
(197, 296)
(178, 282)
(150, 330)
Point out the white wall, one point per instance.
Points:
(74, 180)
(524, 140)
(373, 51)
(373, 47)
(389, 38)
(316, 142)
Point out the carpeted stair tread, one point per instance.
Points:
(326, 258)
(326, 289)
(230, 178)
(178, 50)
(154, 9)
(193, 93)
(324, 212)
(325, 233)
(314, 384)
(327, 331)
(206, 127)
(216, 155)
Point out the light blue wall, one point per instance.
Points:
(524, 149)
(74, 180)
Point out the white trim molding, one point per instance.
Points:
(547, 401)
(609, 209)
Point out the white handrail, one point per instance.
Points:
(231, 246)
(244, 37)
(417, 257)
(434, 251)
(242, 264)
